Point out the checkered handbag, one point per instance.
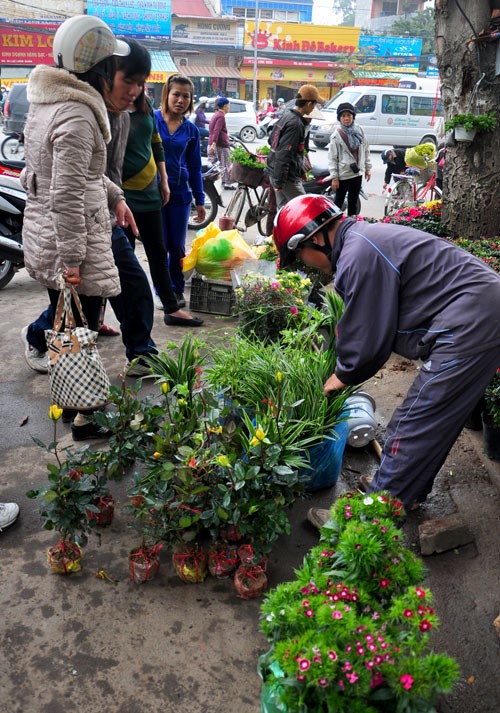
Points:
(77, 376)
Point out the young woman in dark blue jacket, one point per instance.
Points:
(181, 143)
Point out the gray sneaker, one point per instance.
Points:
(135, 368)
(318, 517)
(8, 514)
(35, 359)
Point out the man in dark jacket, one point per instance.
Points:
(395, 162)
(412, 293)
(285, 161)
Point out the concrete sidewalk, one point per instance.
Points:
(84, 644)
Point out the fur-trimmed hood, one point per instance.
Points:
(49, 85)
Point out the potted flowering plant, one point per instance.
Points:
(266, 306)
(491, 418)
(426, 217)
(67, 503)
(351, 633)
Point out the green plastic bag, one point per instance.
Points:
(270, 695)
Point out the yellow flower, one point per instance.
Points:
(165, 388)
(254, 442)
(279, 377)
(259, 434)
(156, 454)
(216, 430)
(182, 402)
(223, 461)
(55, 413)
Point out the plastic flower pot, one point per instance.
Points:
(360, 409)
(190, 562)
(65, 557)
(143, 563)
(222, 559)
(226, 222)
(491, 439)
(250, 581)
(463, 134)
(106, 505)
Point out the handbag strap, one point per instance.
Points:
(64, 310)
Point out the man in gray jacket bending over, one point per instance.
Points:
(409, 292)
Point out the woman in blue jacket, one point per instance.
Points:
(181, 143)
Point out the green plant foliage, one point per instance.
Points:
(479, 122)
(491, 411)
(351, 632)
(245, 158)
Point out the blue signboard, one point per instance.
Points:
(394, 51)
(140, 18)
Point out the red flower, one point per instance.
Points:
(425, 625)
(384, 583)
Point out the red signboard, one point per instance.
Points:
(25, 48)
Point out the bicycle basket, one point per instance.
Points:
(426, 173)
(250, 176)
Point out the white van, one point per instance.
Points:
(388, 115)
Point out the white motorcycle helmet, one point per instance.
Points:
(83, 41)
(202, 100)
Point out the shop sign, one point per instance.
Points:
(288, 37)
(388, 53)
(26, 48)
(205, 31)
(140, 18)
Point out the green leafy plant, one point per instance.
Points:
(266, 306)
(479, 122)
(491, 413)
(351, 633)
(245, 158)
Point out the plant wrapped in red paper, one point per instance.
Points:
(222, 559)
(144, 563)
(190, 562)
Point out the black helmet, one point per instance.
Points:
(345, 106)
(385, 155)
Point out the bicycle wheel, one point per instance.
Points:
(428, 192)
(12, 149)
(263, 212)
(235, 207)
(400, 197)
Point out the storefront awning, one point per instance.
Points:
(205, 70)
(161, 61)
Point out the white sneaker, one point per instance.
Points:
(137, 369)
(157, 301)
(35, 359)
(8, 514)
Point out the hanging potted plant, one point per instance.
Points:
(465, 126)
(66, 504)
(491, 418)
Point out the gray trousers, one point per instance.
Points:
(290, 190)
(425, 426)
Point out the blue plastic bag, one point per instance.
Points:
(326, 459)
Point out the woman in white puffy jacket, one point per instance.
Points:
(348, 159)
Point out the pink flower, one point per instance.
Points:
(300, 678)
(408, 613)
(352, 677)
(337, 615)
(323, 681)
(304, 664)
(384, 583)
(294, 310)
(317, 658)
(377, 680)
(309, 612)
(420, 592)
(332, 655)
(407, 681)
(425, 625)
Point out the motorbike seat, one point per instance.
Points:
(16, 165)
(318, 172)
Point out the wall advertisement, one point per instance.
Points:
(287, 37)
(140, 18)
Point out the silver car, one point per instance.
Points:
(241, 119)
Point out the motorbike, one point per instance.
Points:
(320, 183)
(12, 147)
(12, 204)
(212, 187)
(267, 123)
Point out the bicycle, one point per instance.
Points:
(251, 190)
(410, 191)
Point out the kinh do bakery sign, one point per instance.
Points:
(286, 37)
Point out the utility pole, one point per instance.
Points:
(255, 42)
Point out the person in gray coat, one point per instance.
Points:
(66, 227)
(412, 293)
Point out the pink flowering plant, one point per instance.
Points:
(425, 217)
(267, 306)
(351, 633)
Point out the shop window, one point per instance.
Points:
(266, 14)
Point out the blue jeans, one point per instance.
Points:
(175, 224)
(133, 307)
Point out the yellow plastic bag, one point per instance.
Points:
(415, 156)
(211, 231)
(219, 255)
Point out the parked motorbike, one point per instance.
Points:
(12, 204)
(212, 187)
(12, 147)
(267, 123)
(321, 184)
